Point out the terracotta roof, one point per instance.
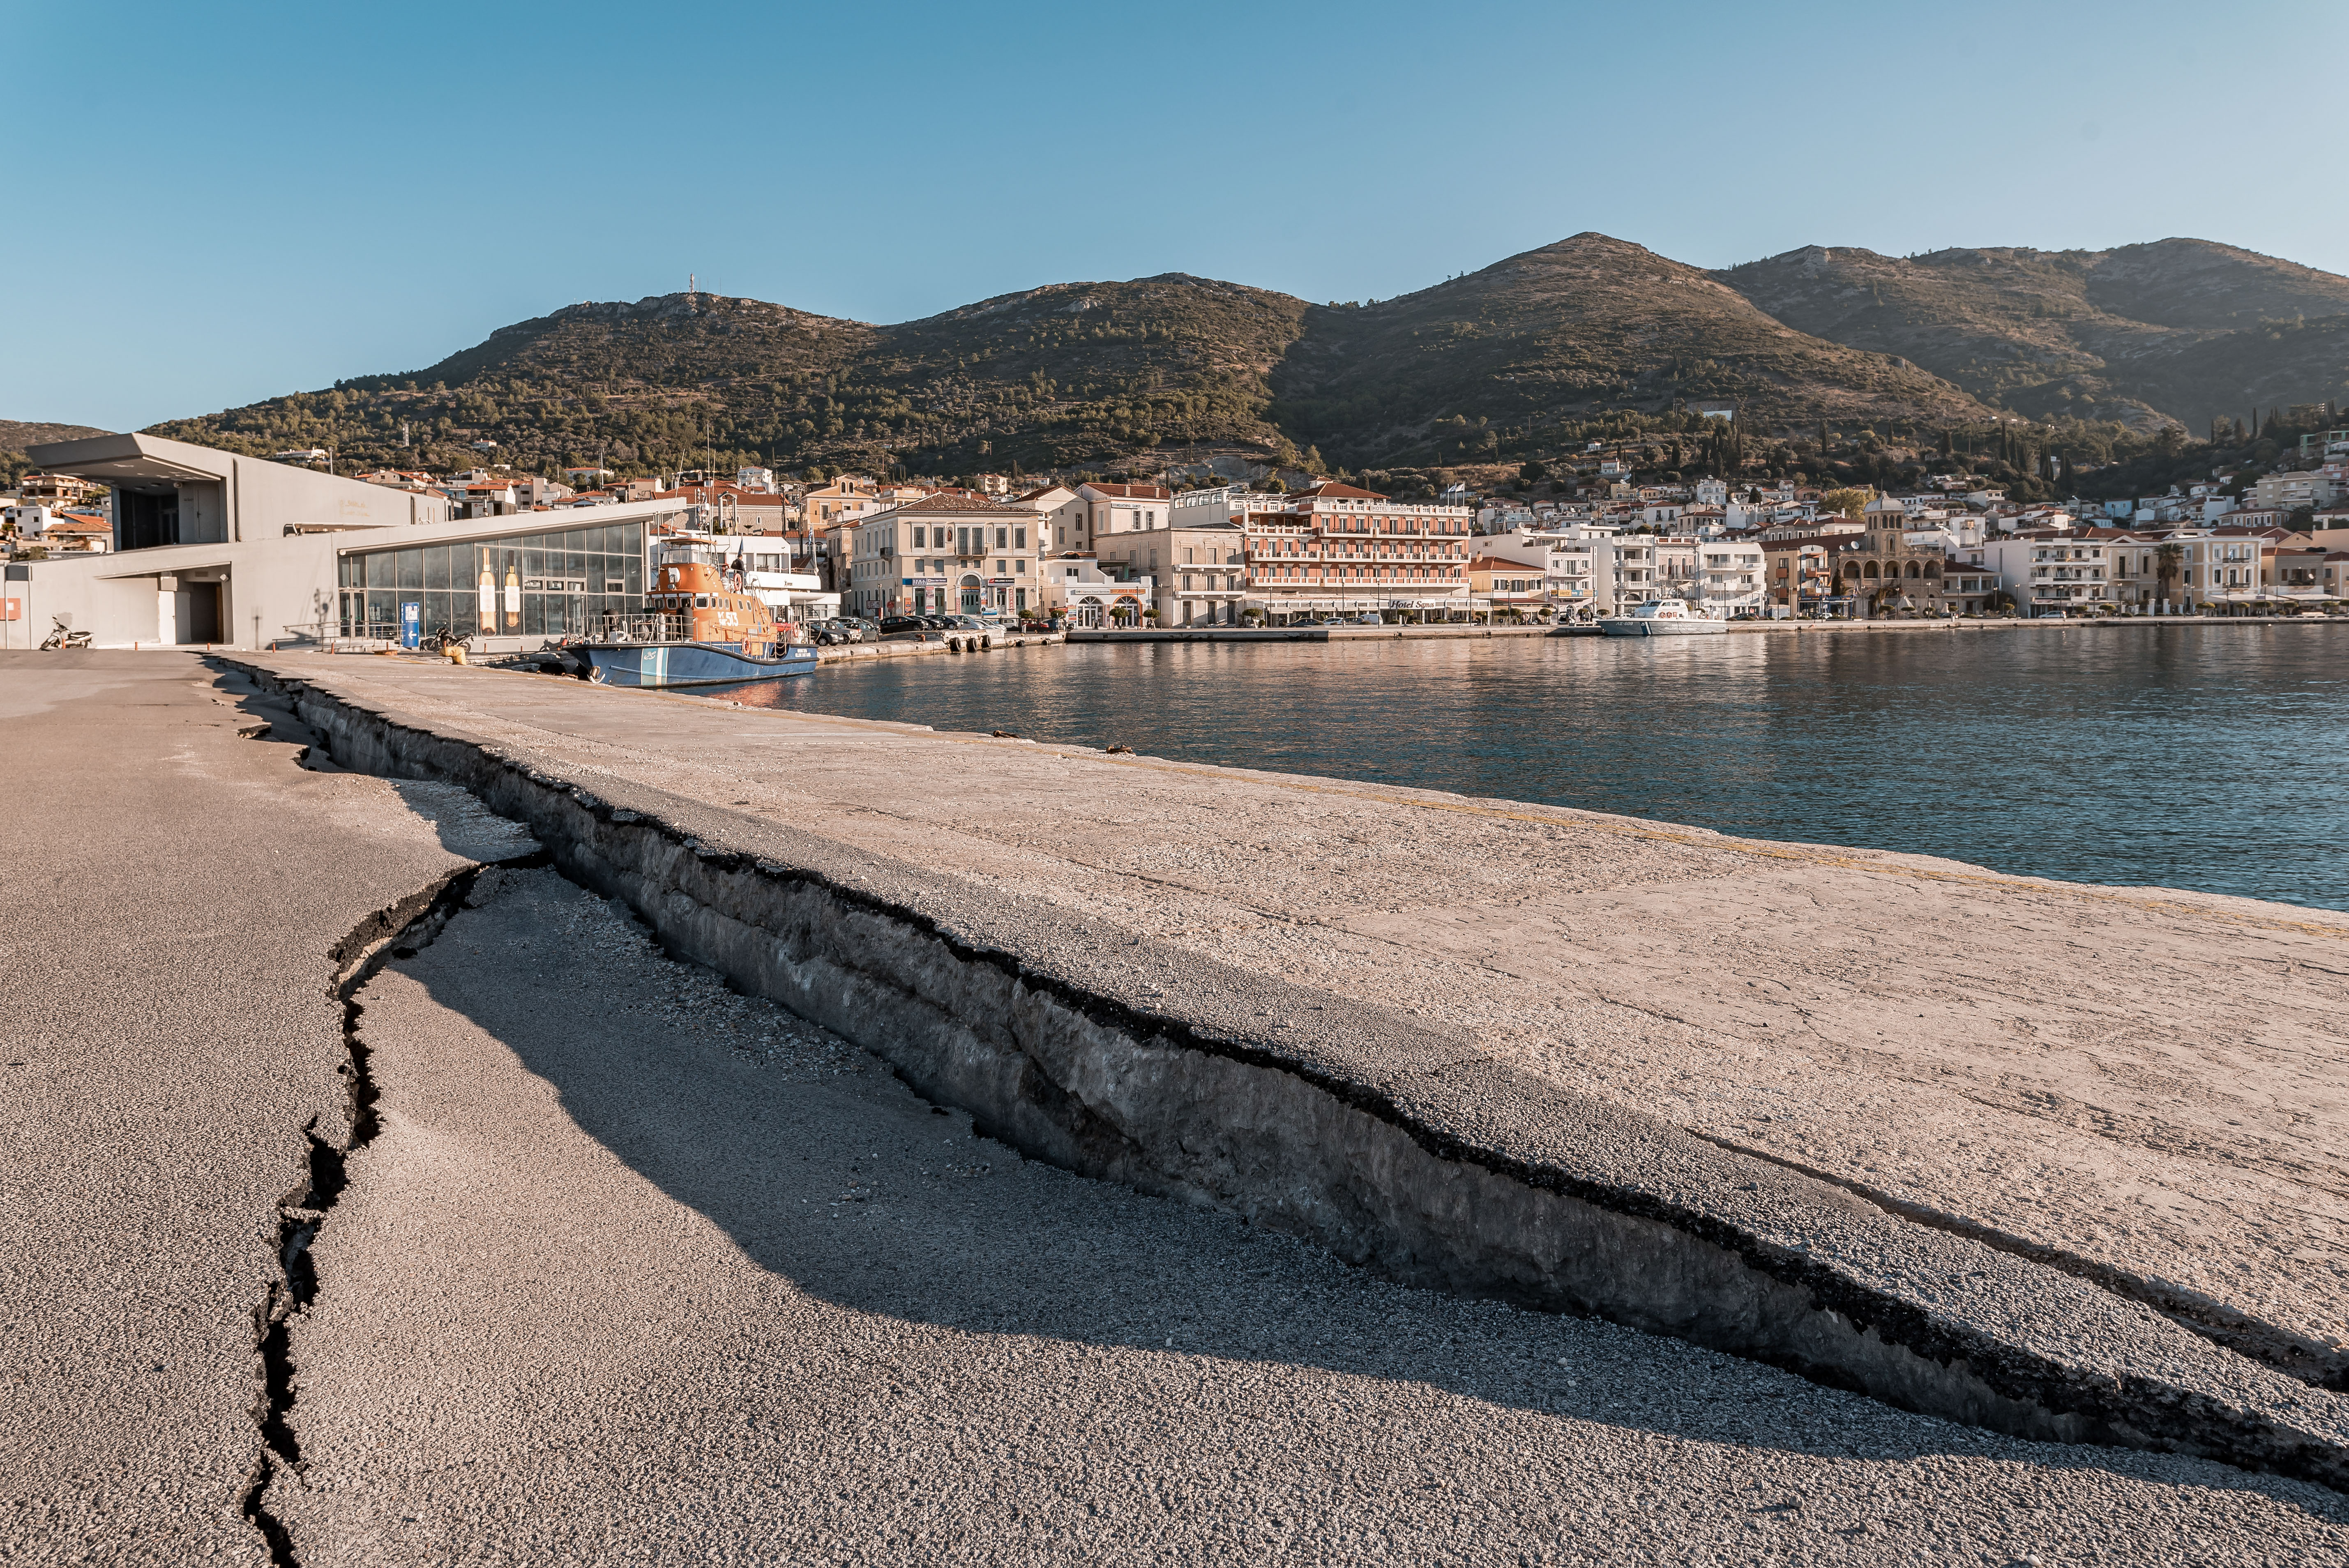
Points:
(1333, 490)
(1133, 493)
(958, 502)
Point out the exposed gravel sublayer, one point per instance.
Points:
(641, 1270)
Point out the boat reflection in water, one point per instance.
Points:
(768, 692)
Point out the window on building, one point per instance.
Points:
(564, 579)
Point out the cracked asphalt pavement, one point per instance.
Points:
(641, 1270)
(637, 1269)
(174, 888)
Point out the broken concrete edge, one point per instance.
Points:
(1045, 1058)
(2313, 1362)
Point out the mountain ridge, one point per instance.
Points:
(1497, 366)
(2048, 333)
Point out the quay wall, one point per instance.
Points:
(1395, 1143)
(1739, 628)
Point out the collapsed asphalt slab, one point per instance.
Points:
(510, 1248)
(1396, 1138)
(639, 1268)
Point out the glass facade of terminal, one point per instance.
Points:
(530, 584)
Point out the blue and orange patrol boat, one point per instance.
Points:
(699, 627)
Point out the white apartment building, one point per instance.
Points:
(1729, 577)
(1575, 563)
(1634, 576)
(2289, 491)
(2047, 572)
(1206, 580)
(1130, 528)
(1060, 516)
(1108, 511)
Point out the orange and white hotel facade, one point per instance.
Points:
(1332, 550)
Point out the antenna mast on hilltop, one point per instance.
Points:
(692, 294)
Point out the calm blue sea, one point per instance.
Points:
(2211, 757)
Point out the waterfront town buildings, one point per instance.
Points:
(209, 546)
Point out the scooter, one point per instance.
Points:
(62, 638)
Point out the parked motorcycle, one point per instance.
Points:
(60, 637)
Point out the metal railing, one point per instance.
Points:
(642, 627)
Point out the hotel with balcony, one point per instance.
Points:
(1332, 550)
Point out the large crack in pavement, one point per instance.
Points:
(399, 930)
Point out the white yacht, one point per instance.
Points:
(1662, 618)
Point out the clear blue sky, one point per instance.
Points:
(216, 203)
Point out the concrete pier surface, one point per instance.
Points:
(628, 1264)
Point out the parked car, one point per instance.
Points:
(906, 625)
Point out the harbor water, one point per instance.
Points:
(2208, 758)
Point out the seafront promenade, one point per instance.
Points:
(1139, 1161)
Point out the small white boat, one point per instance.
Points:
(1662, 618)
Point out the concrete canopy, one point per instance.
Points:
(145, 464)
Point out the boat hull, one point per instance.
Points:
(665, 665)
(1624, 626)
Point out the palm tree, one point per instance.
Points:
(2167, 559)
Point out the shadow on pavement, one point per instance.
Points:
(825, 1170)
